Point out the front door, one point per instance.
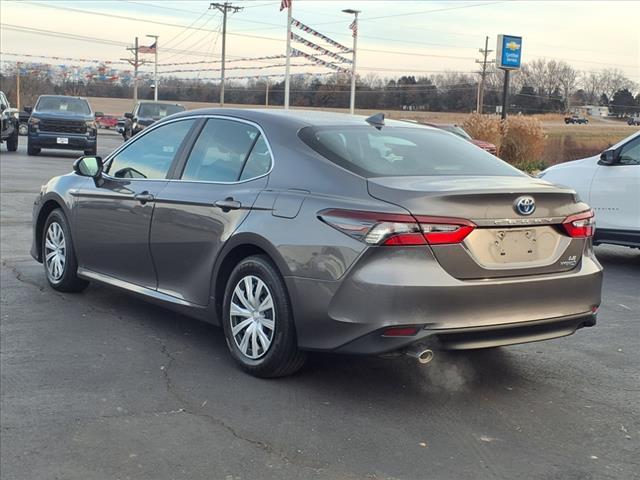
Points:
(615, 191)
(196, 213)
(113, 217)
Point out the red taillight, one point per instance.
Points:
(580, 225)
(397, 229)
(441, 230)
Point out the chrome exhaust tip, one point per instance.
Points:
(423, 355)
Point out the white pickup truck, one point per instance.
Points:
(610, 183)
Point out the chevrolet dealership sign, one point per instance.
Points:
(509, 52)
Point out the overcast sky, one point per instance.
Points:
(395, 37)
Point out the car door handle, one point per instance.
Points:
(144, 197)
(228, 204)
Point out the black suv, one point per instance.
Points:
(145, 114)
(62, 122)
(8, 124)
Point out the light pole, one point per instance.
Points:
(354, 29)
(155, 68)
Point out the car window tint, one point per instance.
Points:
(151, 155)
(259, 161)
(630, 153)
(220, 151)
(402, 151)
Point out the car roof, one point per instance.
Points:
(296, 118)
(153, 102)
(62, 96)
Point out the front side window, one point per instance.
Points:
(151, 155)
(63, 104)
(630, 153)
(402, 151)
(226, 149)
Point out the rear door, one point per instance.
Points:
(114, 217)
(212, 193)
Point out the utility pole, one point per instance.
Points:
(483, 74)
(135, 62)
(224, 8)
(354, 29)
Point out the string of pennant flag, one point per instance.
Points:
(70, 59)
(315, 33)
(318, 61)
(261, 67)
(318, 48)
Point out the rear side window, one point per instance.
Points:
(227, 151)
(399, 151)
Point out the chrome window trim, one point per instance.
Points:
(190, 117)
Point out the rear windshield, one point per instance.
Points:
(63, 104)
(456, 130)
(402, 151)
(158, 110)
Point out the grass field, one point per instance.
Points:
(563, 142)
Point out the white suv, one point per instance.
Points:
(610, 183)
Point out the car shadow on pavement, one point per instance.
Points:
(202, 347)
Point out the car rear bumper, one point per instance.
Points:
(407, 287)
(50, 140)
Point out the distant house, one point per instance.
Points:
(591, 110)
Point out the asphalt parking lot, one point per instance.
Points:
(103, 386)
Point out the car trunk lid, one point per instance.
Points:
(504, 242)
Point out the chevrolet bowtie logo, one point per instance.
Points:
(512, 46)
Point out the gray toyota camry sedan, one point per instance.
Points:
(299, 231)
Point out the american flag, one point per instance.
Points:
(149, 49)
(354, 28)
(284, 4)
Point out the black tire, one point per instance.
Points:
(12, 141)
(32, 150)
(68, 281)
(282, 356)
(93, 151)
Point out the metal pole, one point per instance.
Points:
(266, 95)
(224, 8)
(18, 85)
(155, 67)
(352, 102)
(224, 50)
(135, 71)
(287, 69)
(155, 74)
(505, 95)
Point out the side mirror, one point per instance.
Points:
(609, 157)
(99, 114)
(88, 166)
(128, 115)
(2, 106)
(28, 109)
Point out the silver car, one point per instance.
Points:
(299, 231)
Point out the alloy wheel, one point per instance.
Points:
(55, 251)
(252, 317)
